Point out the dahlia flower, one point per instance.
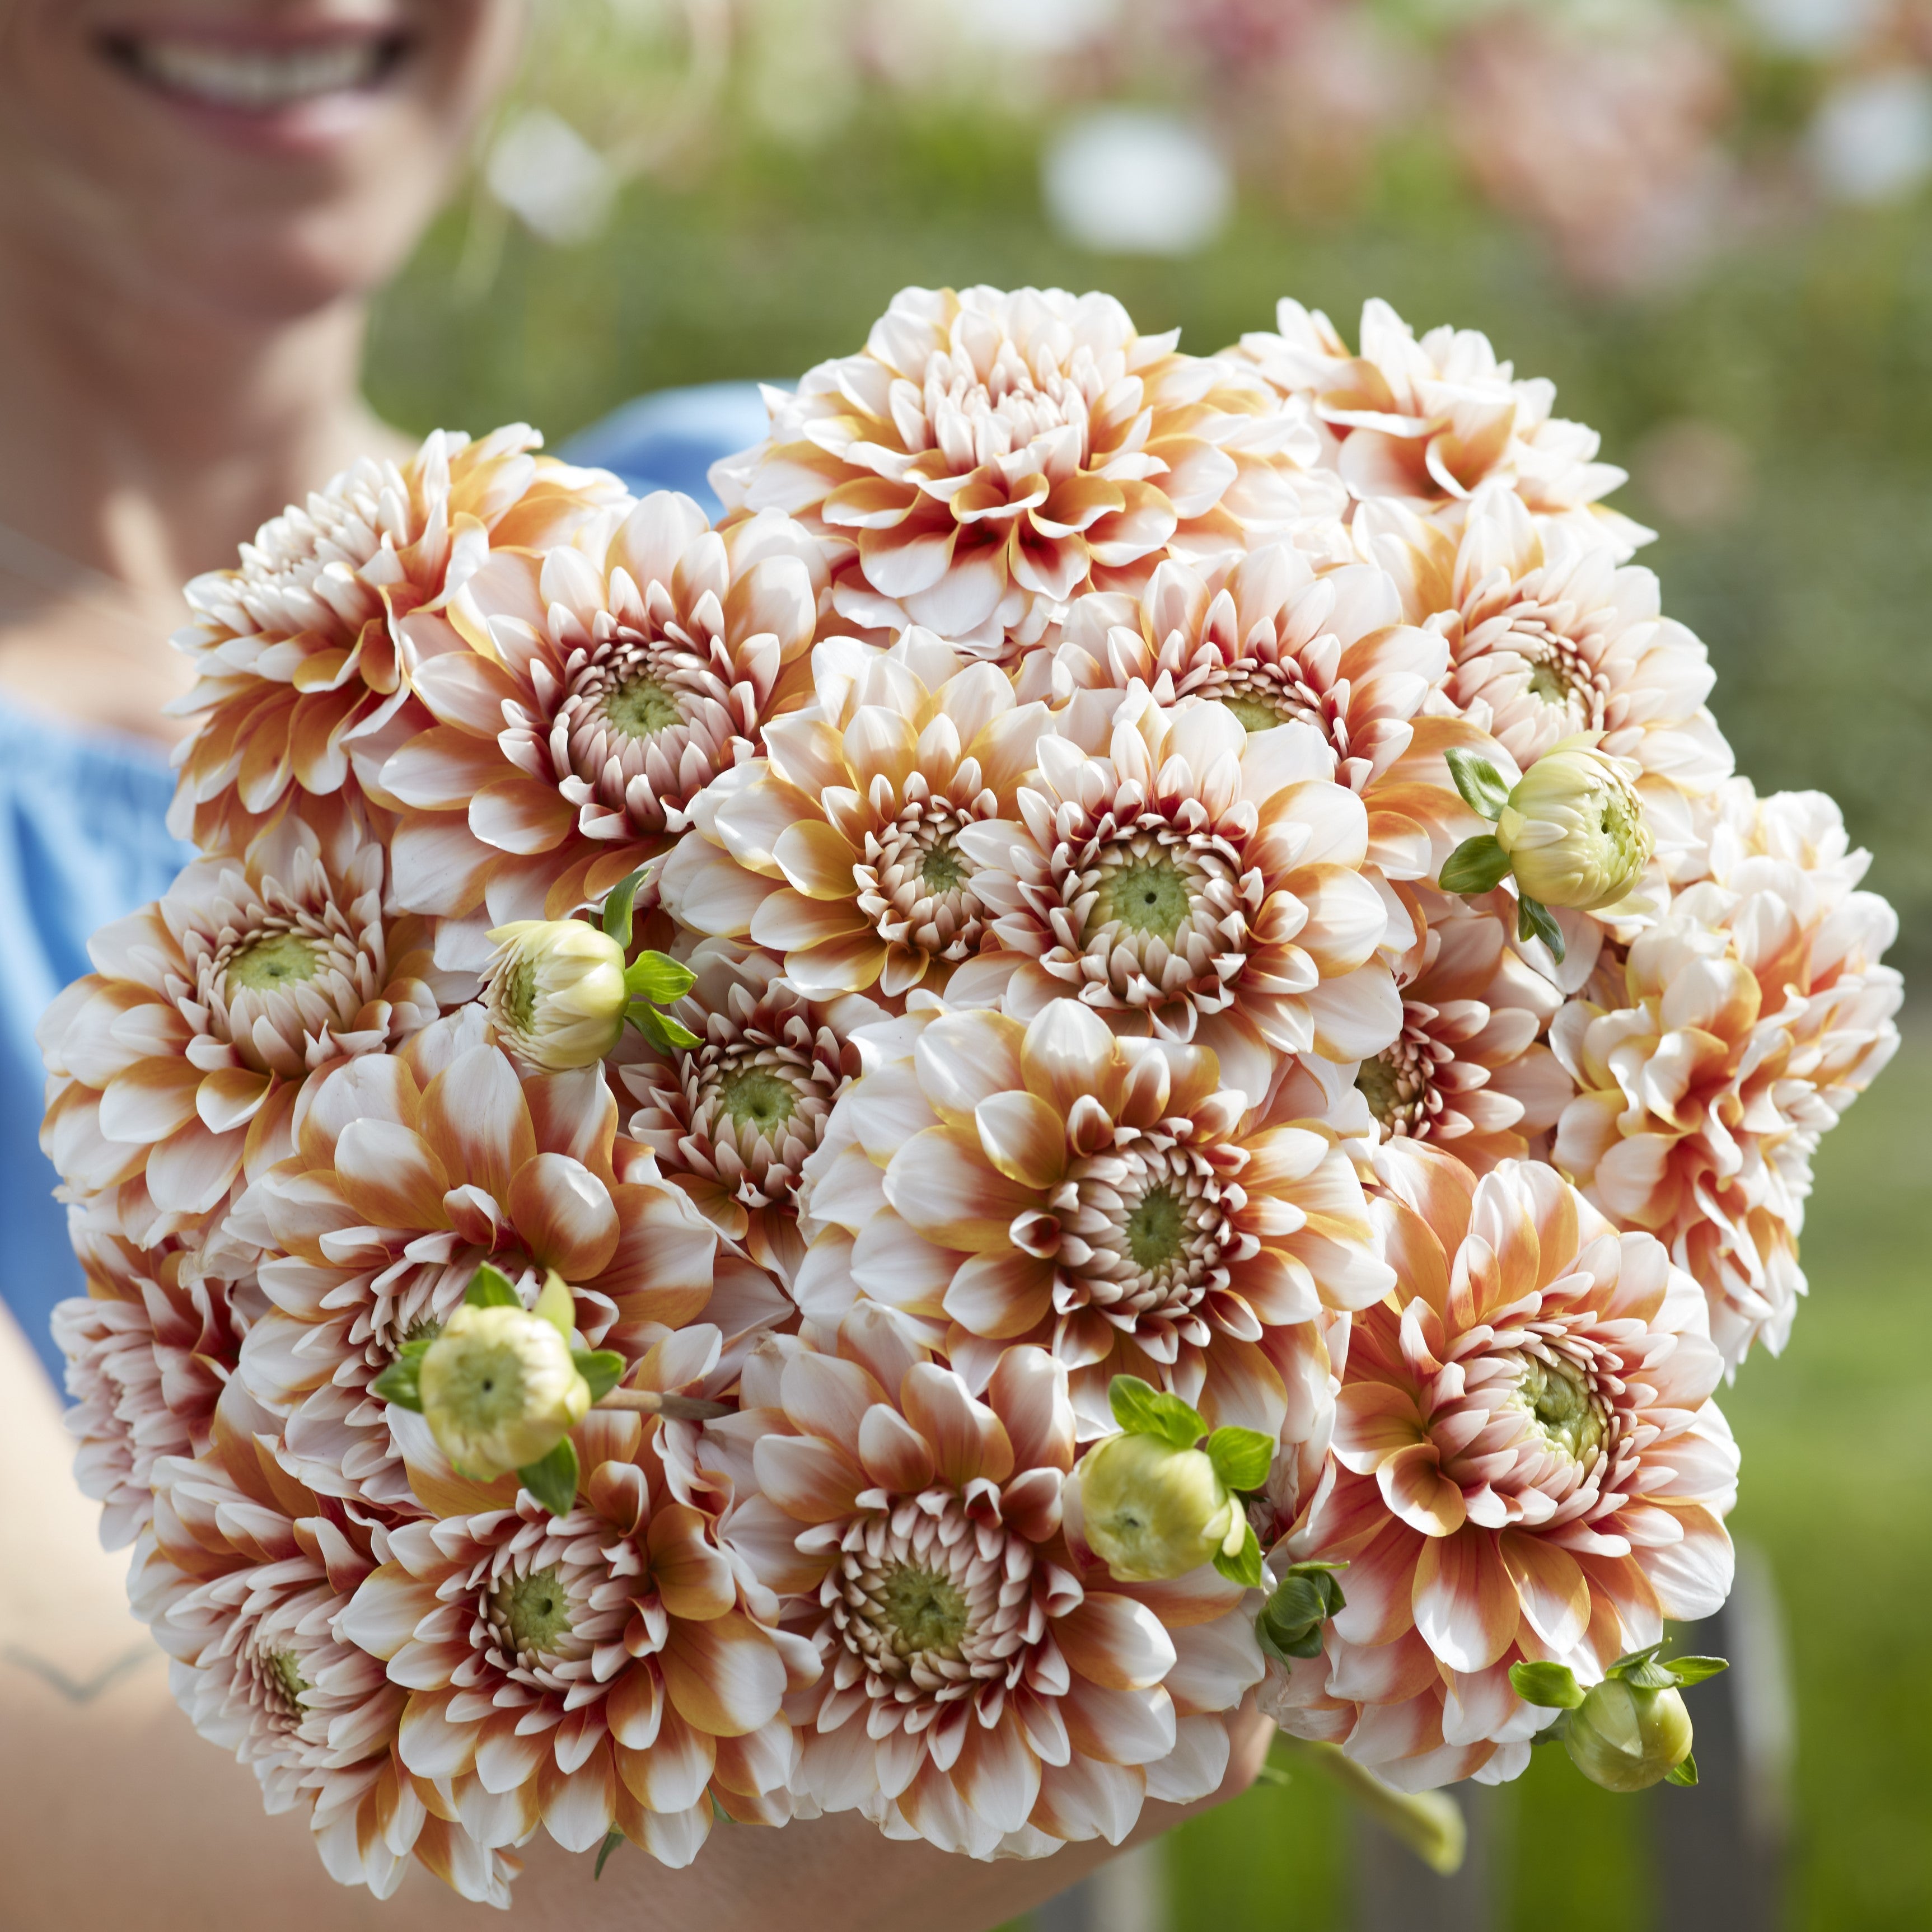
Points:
(988, 456)
(149, 1349)
(1527, 1467)
(981, 1687)
(302, 651)
(1733, 1035)
(597, 695)
(410, 1171)
(610, 1666)
(1468, 1071)
(244, 1579)
(1198, 881)
(1427, 423)
(842, 849)
(556, 992)
(1104, 1199)
(181, 1055)
(732, 1119)
(1549, 638)
(1573, 829)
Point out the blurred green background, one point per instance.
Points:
(1771, 389)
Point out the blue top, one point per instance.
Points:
(83, 840)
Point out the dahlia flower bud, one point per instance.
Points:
(557, 992)
(1573, 828)
(1153, 1510)
(500, 1390)
(1627, 1737)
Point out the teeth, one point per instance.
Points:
(258, 79)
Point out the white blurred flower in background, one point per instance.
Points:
(550, 177)
(1128, 181)
(1871, 139)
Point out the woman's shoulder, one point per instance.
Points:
(669, 439)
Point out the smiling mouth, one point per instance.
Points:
(258, 80)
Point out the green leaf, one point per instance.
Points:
(603, 1369)
(400, 1382)
(1141, 1409)
(1476, 865)
(1241, 1457)
(1245, 1569)
(617, 908)
(1689, 1670)
(1533, 921)
(1482, 786)
(1553, 1686)
(658, 977)
(557, 1305)
(1686, 1773)
(553, 1481)
(613, 1839)
(489, 1287)
(660, 1029)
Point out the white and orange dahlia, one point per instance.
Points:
(1426, 423)
(180, 1056)
(580, 698)
(611, 1666)
(244, 1579)
(1710, 1060)
(1106, 1199)
(843, 849)
(981, 1687)
(988, 456)
(1527, 1466)
(1187, 877)
(302, 652)
(411, 1170)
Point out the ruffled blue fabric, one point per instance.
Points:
(670, 440)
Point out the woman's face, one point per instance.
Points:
(256, 157)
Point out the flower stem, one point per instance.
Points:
(678, 1408)
(1426, 1821)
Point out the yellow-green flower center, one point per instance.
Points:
(1547, 681)
(1151, 897)
(640, 707)
(942, 870)
(285, 1681)
(1562, 1407)
(758, 1099)
(923, 1610)
(275, 959)
(533, 1611)
(1252, 715)
(1154, 1229)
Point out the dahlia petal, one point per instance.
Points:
(836, 1767)
(634, 1708)
(1115, 1642)
(151, 1100)
(1692, 1578)
(670, 1773)
(1023, 1137)
(997, 1775)
(673, 1838)
(566, 1216)
(578, 1806)
(1124, 1727)
(948, 1193)
(1356, 1015)
(476, 1122)
(896, 1457)
(190, 1172)
(521, 815)
(1216, 1665)
(1028, 1393)
(967, 1438)
(1193, 1770)
(693, 1577)
(1550, 1585)
(1088, 1798)
(1000, 1296)
(1466, 1606)
(430, 1745)
(389, 1176)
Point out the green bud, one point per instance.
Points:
(1627, 1738)
(1574, 829)
(500, 1389)
(1154, 1511)
(557, 992)
(1290, 1622)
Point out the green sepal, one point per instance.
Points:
(617, 908)
(400, 1382)
(489, 1287)
(553, 1481)
(1241, 1457)
(1479, 781)
(1289, 1625)
(613, 1839)
(557, 1306)
(1641, 1672)
(1246, 1568)
(1534, 920)
(1552, 1686)
(603, 1369)
(1685, 1773)
(1689, 1670)
(660, 1029)
(1141, 1409)
(658, 977)
(1478, 865)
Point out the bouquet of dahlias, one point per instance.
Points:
(1127, 1046)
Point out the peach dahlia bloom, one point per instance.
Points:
(611, 1666)
(1106, 1199)
(981, 1687)
(303, 675)
(1191, 879)
(410, 1171)
(244, 1580)
(1426, 423)
(179, 1057)
(1527, 1465)
(1730, 1038)
(595, 695)
(987, 456)
(842, 849)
